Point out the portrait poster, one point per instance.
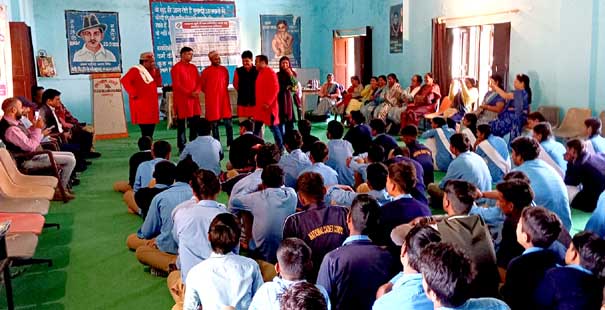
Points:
(93, 42)
(205, 35)
(396, 29)
(6, 68)
(280, 36)
(163, 11)
(46, 66)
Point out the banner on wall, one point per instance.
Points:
(203, 36)
(396, 29)
(6, 69)
(93, 42)
(280, 36)
(163, 11)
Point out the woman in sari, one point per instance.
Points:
(392, 97)
(425, 102)
(286, 96)
(352, 100)
(514, 114)
(492, 104)
(329, 94)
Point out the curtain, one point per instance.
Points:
(442, 55)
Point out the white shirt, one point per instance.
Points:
(102, 54)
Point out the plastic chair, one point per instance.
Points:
(23, 222)
(445, 104)
(551, 113)
(10, 190)
(22, 179)
(572, 125)
(25, 205)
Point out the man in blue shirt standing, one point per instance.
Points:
(295, 161)
(205, 151)
(154, 244)
(439, 142)
(356, 269)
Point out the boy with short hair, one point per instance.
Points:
(538, 228)
(419, 152)
(293, 263)
(340, 150)
(438, 141)
(205, 150)
(295, 161)
(304, 126)
(318, 155)
(163, 174)
(377, 178)
(144, 154)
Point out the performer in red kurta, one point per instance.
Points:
(186, 96)
(266, 90)
(141, 82)
(214, 82)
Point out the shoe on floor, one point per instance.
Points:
(59, 197)
(158, 272)
(93, 154)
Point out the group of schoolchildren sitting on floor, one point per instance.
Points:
(294, 219)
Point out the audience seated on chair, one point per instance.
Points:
(392, 97)
(586, 170)
(359, 266)
(419, 152)
(295, 161)
(339, 150)
(241, 151)
(351, 100)
(595, 143)
(293, 263)
(359, 135)
(438, 141)
(329, 95)
(164, 173)
(407, 97)
(464, 95)
(492, 104)
(377, 98)
(512, 118)
(425, 102)
(206, 286)
(494, 151)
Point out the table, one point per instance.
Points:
(303, 101)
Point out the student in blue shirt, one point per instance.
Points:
(447, 275)
(205, 150)
(377, 178)
(596, 222)
(295, 161)
(190, 231)
(360, 163)
(381, 138)
(494, 151)
(353, 272)
(159, 151)
(578, 284)
(154, 244)
(207, 286)
(339, 151)
(542, 132)
(302, 296)
(548, 186)
(264, 213)
(440, 145)
(594, 140)
(405, 290)
(318, 155)
(293, 262)
(538, 228)
(163, 174)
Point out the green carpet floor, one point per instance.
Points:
(92, 268)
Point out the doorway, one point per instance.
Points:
(352, 55)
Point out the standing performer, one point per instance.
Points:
(186, 94)
(214, 82)
(267, 109)
(141, 82)
(243, 81)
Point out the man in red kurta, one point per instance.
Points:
(141, 82)
(266, 89)
(186, 97)
(214, 82)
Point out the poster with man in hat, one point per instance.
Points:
(93, 42)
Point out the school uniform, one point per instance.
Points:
(248, 184)
(360, 137)
(241, 154)
(387, 142)
(569, 287)
(589, 171)
(340, 197)
(419, 190)
(268, 295)
(441, 153)
(496, 156)
(556, 151)
(338, 152)
(407, 293)
(597, 143)
(402, 210)
(144, 173)
(206, 152)
(470, 167)
(596, 222)
(144, 196)
(292, 164)
(329, 175)
(133, 164)
(423, 155)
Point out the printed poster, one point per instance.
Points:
(205, 35)
(280, 36)
(93, 42)
(396, 29)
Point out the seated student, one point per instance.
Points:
(302, 296)
(267, 154)
(587, 170)
(144, 154)
(596, 222)
(467, 166)
(360, 163)
(359, 134)
(192, 220)
(352, 272)
(447, 276)
(293, 263)
(241, 151)
(323, 228)
(400, 154)
(153, 242)
(304, 126)
(405, 290)
(538, 228)
(404, 208)
(438, 141)
(318, 155)
(549, 189)
(579, 284)
(376, 182)
(419, 152)
(550, 148)
(533, 119)
(494, 151)
(594, 141)
(163, 174)
(295, 161)
(381, 138)
(269, 207)
(339, 151)
(469, 126)
(205, 151)
(206, 285)
(159, 151)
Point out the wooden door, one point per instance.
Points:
(340, 60)
(24, 72)
(501, 50)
